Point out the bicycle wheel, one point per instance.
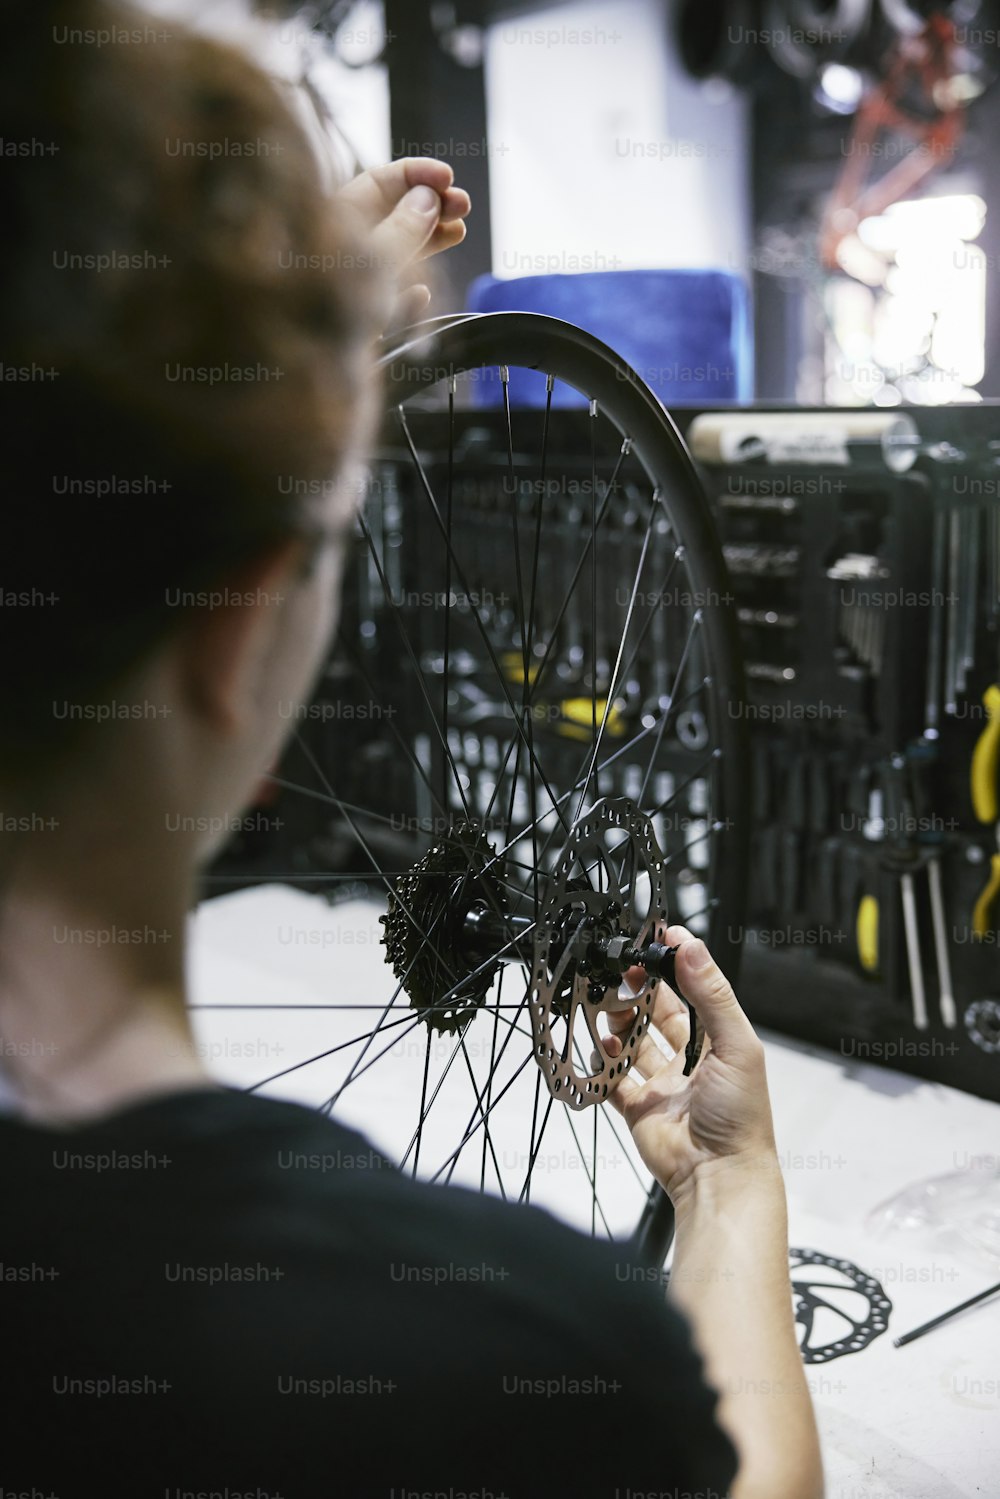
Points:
(532, 762)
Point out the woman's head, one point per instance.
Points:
(185, 327)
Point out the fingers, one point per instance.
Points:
(412, 303)
(378, 195)
(408, 229)
(448, 234)
(669, 1016)
(624, 1090)
(711, 993)
(376, 192)
(649, 1058)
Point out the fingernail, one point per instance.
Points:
(423, 200)
(696, 955)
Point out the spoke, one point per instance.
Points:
(453, 1158)
(591, 1179)
(423, 1101)
(505, 382)
(398, 616)
(487, 1137)
(356, 1071)
(331, 1103)
(489, 1083)
(525, 623)
(538, 672)
(620, 753)
(614, 684)
(424, 1009)
(487, 892)
(322, 1055)
(459, 573)
(626, 448)
(447, 579)
(536, 1146)
(593, 598)
(713, 827)
(469, 1129)
(695, 623)
(483, 1114)
(425, 936)
(528, 677)
(695, 776)
(430, 1104)
(525, 1191)
(600, 1108)
(651, 614)
(610, 1122)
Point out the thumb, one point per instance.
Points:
(704, 984)
(401, 237)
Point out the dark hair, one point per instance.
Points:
(185, 326)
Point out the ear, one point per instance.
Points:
(226, 643)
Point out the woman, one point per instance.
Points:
(186, 320)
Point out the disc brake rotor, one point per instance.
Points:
(851, 1331)
(606, 900)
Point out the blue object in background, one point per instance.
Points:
(686, 333)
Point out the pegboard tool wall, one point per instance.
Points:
(868, 594)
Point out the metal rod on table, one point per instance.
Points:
(918, 1332)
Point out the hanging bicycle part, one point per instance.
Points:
(920, 97)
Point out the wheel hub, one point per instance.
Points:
(448, 931)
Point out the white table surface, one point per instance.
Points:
(921, 1421)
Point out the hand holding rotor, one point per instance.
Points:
(719, 1117)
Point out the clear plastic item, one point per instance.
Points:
(957, 1214)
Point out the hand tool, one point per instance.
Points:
(861, 620)
(946, 996)
(970, 594)
(918, 1332)
(901, 858)
(982, 918)
(985, 761)
(913, 951)
(952, 647)
(939, 538)
(858, 903)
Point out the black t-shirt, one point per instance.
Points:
(213, 1294)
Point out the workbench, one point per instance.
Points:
(919, 1422)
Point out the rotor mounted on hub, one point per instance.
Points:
(587, 939)
(449, 929)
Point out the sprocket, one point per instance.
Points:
(424, 922)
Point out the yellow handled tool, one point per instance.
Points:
(982, 922)
(579, 714)
(866, 932)
(985, 758)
